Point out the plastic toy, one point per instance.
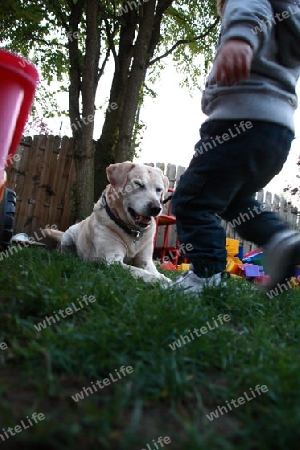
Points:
(262, 280)
(232, 246)
(18, 82)
(256, 258)
(252, 266)
(234, 253)
(168, 266)
(183, 267)
(252, 270)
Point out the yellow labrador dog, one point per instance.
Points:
(121, 227)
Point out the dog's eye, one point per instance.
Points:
(139, 184)
(159, 190)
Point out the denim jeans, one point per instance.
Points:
(231, 163)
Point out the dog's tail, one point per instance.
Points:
(54, 234)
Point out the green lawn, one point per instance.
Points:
(164, 392)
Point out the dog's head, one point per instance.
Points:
(137, 189)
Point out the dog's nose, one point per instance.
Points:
(154, 209)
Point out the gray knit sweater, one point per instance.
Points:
(272, 28)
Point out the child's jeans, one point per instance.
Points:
(232, 162)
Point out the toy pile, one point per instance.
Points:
(250, 266)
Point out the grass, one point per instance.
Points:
(169, 393)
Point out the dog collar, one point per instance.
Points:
(135, 233)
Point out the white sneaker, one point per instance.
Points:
(282, 255)
(190, 282)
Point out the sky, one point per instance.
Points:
(173, 120)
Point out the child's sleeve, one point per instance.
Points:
(287, 14)
(247, 20)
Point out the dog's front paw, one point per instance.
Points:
(157, 277)
(163, 279)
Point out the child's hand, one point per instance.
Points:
(234, 61)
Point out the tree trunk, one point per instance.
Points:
(83, 77)
(84, 185)
(105, 146)
(135, 81)
(131, 65)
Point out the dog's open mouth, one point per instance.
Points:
(140, 221)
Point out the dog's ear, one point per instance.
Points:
(165, 182)
(117, 173)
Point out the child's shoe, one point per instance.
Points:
(282, 254)
(190, 282)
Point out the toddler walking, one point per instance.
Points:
(250, 101)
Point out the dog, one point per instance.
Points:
(122, 225)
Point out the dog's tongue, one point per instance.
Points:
(142, 219)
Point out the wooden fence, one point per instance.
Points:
(43, 176)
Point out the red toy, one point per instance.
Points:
(18, 82)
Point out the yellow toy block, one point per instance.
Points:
(183, 267)
(233, 275)
(233, 264)
(232, 246)
(295, 282)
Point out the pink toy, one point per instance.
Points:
(262, 280)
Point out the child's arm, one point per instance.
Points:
(243, 30)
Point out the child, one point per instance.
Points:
(250, 101)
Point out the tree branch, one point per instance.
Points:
(184, 42)
(49, 44)
(59, 14)
(163, 5)
(101, 70)
(111, 41)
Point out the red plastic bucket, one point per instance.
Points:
(18, 82)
